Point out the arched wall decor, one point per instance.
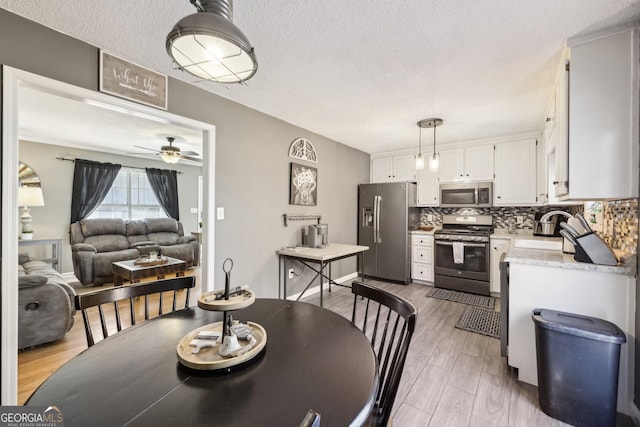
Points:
(303, 149)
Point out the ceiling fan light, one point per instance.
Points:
(170, 157)
(209, 46)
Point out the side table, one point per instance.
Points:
(56, 250)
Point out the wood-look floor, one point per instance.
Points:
(451, 378)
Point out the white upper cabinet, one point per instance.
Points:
(393, 168)
(428, 188)
(602, 142)
(478, 163)
(516, 173)
(404, 168)
(451, 165)
(382, 169)
(473, 163)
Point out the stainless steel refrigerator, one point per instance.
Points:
(387, 214)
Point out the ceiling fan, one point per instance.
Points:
(172, 154)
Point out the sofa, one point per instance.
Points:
(97, 243)
(46, 303)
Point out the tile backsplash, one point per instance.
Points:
(502, 216)
(620, 226)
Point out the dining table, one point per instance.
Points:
(314, 359)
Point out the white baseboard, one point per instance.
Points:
(316, 289)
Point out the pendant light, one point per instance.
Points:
(434, 159)
(208, 45)
(419, 158)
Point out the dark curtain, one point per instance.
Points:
(91, 183)
(165, 186)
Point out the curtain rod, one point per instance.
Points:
(124, 166)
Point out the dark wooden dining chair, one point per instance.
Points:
(311, 419)
(128, 296)
(388, 321)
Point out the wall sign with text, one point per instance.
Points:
(131, 81)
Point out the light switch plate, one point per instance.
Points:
(194, 210)
(219, 213)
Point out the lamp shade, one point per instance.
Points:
(30, 196)
(209, 46)
(434, 162)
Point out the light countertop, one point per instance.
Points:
(560, 259)
(429, 233)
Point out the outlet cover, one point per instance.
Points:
(219, 213)
(519, 219)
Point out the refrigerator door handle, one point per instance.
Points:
(379, 239)
(375, 219)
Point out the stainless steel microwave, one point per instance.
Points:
(466, 195)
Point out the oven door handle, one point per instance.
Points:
(471, 245)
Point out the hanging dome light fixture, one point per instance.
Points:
(209, 46)
(434, 159)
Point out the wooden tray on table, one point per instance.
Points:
(208, 358)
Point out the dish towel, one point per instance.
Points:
(458, 252)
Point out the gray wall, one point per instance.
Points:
(252, 167)
(52, 220)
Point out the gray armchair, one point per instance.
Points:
(45, 304)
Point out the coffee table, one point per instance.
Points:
(127, 270)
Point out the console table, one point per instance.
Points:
(322, 256)
(56, 250)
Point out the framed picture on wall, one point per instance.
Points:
(303, 189)
(131, 81)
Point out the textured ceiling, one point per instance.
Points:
(363, 72)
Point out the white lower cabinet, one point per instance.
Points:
(422, 257)
(600, 294)
(499, 247)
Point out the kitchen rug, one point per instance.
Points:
(481, 321)
(463, 297)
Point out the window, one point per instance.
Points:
(130, 197)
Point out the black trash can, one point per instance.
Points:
(578, 361)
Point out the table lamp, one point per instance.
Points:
(28, 196)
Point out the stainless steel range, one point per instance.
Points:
(462, 253)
